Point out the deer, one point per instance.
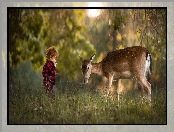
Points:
(128, 63)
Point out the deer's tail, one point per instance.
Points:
(149, 65)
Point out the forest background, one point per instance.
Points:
(77, 32)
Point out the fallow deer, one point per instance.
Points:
(131, 62)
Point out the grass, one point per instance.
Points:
(82, 105)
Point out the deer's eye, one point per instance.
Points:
(88, 68)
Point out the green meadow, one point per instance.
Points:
(79, 104)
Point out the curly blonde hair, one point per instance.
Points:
(51, 52)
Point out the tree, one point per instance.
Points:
(41, 28)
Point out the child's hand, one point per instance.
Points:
(55, 64)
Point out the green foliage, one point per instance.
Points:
(151, 33)
(32, 31)
(43, 28)
(118, 18)
(24, 78)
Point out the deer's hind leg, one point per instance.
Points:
(145, 84)
(142, 90)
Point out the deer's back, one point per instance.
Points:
(124, 60)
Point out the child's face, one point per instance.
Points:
(53, 59)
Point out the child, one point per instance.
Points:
(49, 69)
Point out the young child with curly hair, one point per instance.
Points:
(49, 69)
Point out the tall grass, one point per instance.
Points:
(77, 104)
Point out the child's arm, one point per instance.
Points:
(45, 71)
(52, 75)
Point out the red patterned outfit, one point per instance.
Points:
(49, 74)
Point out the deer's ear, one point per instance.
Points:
(81, 58)
(92, 57)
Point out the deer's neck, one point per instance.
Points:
(97, 68)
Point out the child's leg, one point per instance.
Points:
(52, 95)
(47, 86)
(51, 89)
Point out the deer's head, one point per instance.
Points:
(86, 68)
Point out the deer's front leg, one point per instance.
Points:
(118, 88)
(110, 79)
